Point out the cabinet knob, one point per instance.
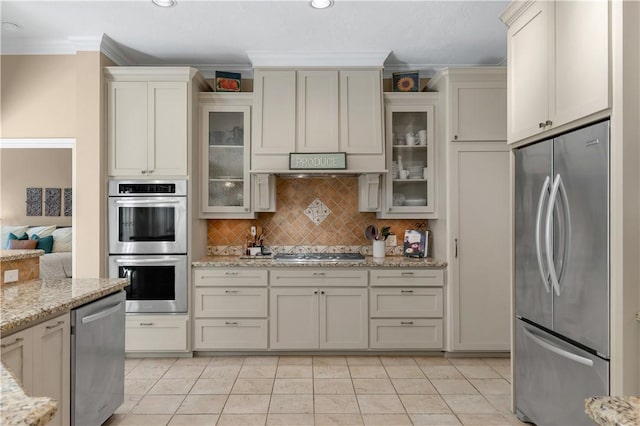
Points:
(149, 171)
(315, 292)
(322, 292)
(455, 137)
(541, 125)
(144, 172)
(548, 123)
(246, 209)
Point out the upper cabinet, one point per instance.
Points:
(310, 110)
(226, 184)
(558, 54)
(148, 117)
(409, 187)
(476, 103)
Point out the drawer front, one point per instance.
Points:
(405, 302)
(230, 302)
(406, 334)
(319, 277)
(211, 277)
(407, 277)
(147, 334)
(230, 334)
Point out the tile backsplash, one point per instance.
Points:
(290, 226)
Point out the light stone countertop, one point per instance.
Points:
(24, 304)
(268, 262)
(7, 255)
(614, 410)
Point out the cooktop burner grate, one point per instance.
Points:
(319, 257)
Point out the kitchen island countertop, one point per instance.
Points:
(614, 410)
(28, 303)
(268, 262)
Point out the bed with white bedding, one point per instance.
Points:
(57, 261)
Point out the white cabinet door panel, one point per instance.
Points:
(230, 302)
(167, 128)
(318, 112)
(127, 128)
(479, 111)
(230, 334)
(294, 318)
(149, 333)
(481, 224)
(322, 277)
(404, 277)
(17, 356)
(361, 112)
(274, 122)
(230, 277)
(406, 333)
(343, 318)
(399, 302)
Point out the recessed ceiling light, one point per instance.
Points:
(164, 3)
(10, 26)
(321, 4)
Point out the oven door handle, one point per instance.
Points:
(159, 202)
(147, 261)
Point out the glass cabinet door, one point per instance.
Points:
(225, 159)
(410, 142)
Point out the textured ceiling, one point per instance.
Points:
(423, 35)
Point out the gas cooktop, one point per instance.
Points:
(319, 257)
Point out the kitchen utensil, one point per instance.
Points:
(371, 232)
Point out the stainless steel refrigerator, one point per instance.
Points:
(562, 276)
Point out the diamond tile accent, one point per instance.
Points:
(317, 211)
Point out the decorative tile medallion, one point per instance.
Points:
(317, 211)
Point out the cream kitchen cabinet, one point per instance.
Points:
(410, 187)
(149, 120)
(230, 309)
(311, 110)
(559, 60)
(406, 309)
(39, 357)
(318, 318)
(225, 138)
(480, 240)
(156, 333)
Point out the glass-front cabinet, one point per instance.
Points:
(410, 190)
(225, 139)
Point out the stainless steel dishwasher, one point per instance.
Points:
(97, 360)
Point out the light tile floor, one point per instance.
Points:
(318, 390)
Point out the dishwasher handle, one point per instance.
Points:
(101, 314)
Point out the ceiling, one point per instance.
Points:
(214, 34)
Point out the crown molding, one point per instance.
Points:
(209, 71)
(265, 59)
(113, 51)
(37, 142)
(150, 73)
(514, 10)
(67, 46)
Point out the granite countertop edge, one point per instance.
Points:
(11, 255)
(17, 408)
(614, 410)
(43, 307)
(267, 262)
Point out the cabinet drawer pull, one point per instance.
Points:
(406, 291)
(406, 322)
(548, 123)
(319, 274)
(6, 345)
(51, 327)
(231, 323)
(406, 273)
(146, 323)
(231, 273)
(149, 171)
(231, 291)
(144, 172)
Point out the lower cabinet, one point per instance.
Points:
(318, 318)
(39, 358)
(219, 334)
(156, 333)
(406, 334)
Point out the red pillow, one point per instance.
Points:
(22, 244)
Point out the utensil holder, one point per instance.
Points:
(378, 248)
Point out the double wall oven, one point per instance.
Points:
(148, 243)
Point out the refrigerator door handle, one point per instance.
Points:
(555, 349)
(549, 236)
(567, 230)
(543, 274)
